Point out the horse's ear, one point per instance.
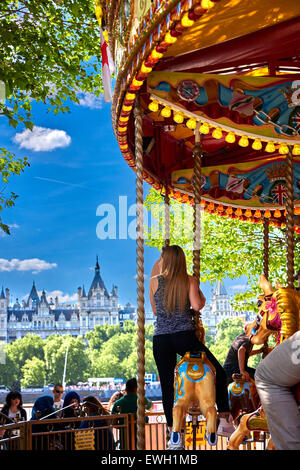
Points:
(279, 285)
(265, 285)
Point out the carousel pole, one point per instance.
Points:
(140, 277)
(290, 218)
(266, 248)
(197, 154)
(167, 216)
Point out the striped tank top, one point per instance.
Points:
(170, 323)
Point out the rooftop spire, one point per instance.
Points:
(97, 267)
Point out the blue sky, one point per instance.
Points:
(75, 166)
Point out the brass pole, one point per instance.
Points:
(197, 154)
(167, 216)
(140, 278)
(290, 218)
(266, 248)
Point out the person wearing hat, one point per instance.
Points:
(297, 278)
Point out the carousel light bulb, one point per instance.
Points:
(230, 137)
(238, 211)
(257, 214)
(204, 128)
(217, 133)
(145, 69)
(179, 118)
(270, 147)
(267, 214)
(153, 106)
(169, 38)
(283, 149)
(244, 142)
(186, 22)
(130, 96)
(207, 4)
(248, 213)
(229, 210)
(166, 111)
(257, 145)
(277, 213)
(136, 82)
(296, 149)
(156, 55)
(191, 123)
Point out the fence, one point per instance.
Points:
(112, 432)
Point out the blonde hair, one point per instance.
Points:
(177, 279)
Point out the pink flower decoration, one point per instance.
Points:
(272, 306)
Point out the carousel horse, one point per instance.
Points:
(279, 314)
(194, 384)
(242, 396)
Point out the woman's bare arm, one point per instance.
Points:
(153, 285)
(196, 296)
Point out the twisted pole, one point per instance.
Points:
(266, 248)
(197, 154)
(290, 218)
(140, 277)
(167, 216)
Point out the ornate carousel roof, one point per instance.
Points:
(228, 68)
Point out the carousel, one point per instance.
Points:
(206, 109)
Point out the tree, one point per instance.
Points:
(229, 248)
(8, 370)
(33, 373)
(50, 53)
(78, 363)
(19, 351)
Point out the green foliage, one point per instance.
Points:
(50, 51)
(21, 350)
(227, 330)
(33, 373)
(229, 248)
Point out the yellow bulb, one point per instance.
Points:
(191, 123)
(296, 149)
(186, 22)
(136, 82)
(270, 147)
(204, 128)
(277, 213)
(257, 145)
(145, 69)
(170, 39)
(283, 149)
(156, 55)
(129, 96)
(267, 214)
(124, 118)
(230, 138)
(127, 108)
(207, 4)
(248, 213)
(179, 118)
(244, 142)
(153, 106)
(217, 133)
(166, 112)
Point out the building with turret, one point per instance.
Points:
(219, 308)
(45, 317)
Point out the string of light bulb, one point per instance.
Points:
(207, 125)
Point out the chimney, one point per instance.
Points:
(79, 292)
(7, 295)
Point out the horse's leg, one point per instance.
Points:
(206, 394)
(239, 434)
(179, 411)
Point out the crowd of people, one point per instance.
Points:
(69, 408)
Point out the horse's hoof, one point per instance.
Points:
(212, 438)
(175, 443)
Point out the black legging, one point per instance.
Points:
(165, 348)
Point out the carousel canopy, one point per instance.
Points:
(229, 69)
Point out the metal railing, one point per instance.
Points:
(109, 432)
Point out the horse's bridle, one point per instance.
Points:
(260, 316)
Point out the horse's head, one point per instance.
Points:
(268, 319)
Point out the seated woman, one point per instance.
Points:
(71, 398)
(13, 412)
(103, 437)
(43, 406)
(173, 293)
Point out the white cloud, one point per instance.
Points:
(89, 100)
(239, 287)
(35, 265)
(42, 139)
